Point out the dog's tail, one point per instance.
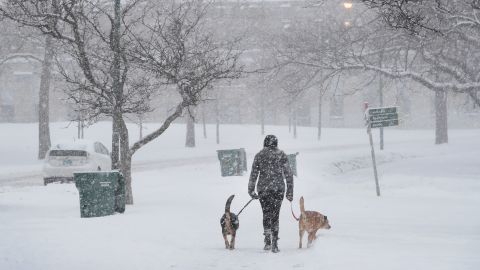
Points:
(229, 202)
(302, 206)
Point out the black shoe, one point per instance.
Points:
(275, 245)
(268, 242)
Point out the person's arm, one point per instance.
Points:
(253, 177)
(287, 172)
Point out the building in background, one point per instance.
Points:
(19, 86)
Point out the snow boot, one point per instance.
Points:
(268, 240)
(275, 243)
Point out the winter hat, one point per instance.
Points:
(270, 141)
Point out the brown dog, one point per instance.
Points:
(311, 221)
(229, 223)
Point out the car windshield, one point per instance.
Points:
(71, 153)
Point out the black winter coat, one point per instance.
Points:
(271, 164)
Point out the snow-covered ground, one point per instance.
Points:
(427, 217)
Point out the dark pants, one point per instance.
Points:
(271, 202)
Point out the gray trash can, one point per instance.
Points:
(292, 160)
(233, 162)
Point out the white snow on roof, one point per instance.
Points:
(73, 145)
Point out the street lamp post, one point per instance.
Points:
(348, 6)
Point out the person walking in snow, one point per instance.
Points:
(272, 169)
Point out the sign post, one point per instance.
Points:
(369, 131)
(379, 118)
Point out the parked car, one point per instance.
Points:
(65, 158)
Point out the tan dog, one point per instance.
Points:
(311, 221)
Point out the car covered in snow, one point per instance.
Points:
(65, 158)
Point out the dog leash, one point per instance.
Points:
(293, 214)
(244, 207)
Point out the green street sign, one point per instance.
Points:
(387, 123)
(383, 117)
(385, 110)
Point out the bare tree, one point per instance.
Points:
(454, 24)
(435, 51)
(204, 120)
(178, 50)
(293, 78)
(217, 117)
(447, 36)
(89, 32)
(118, 48)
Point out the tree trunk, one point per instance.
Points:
(190, 139)
(116, 85)
(127, 174)
(290, 120)
(380, 97)
(441, 118)
(79, 128)
(126, 161)
(204, 122)
(80, 125)
(295, 120)
(262, 114)
(380, 100)
(319, 126)
(115, 154)
(217, 120)
(217, 131)
(43, 106)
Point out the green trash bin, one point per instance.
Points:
(233, 162)
(292, 160)
(101, 193)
